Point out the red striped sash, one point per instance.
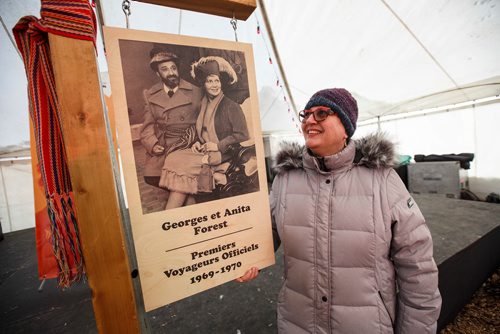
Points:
(74, 19)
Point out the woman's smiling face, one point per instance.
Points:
(212, 85)
(326, 137)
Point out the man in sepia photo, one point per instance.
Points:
(172, 106)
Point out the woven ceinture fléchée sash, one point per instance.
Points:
(74, 19)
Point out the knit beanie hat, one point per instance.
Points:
(340, 101)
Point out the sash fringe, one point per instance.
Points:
(65, 240)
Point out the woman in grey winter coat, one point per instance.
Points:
(357, 251)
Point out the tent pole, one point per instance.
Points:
(276, 54)
(475, 138)
(100, 20)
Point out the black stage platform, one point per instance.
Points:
(466, 237)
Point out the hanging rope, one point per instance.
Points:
(234, 23)
(126, 11)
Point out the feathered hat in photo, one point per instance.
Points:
(213, 65)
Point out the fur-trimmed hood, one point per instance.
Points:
(372, 151)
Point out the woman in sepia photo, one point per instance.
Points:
(220, 124)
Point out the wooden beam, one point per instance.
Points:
(240, 9)
(96, 202)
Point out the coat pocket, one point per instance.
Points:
(384, 309)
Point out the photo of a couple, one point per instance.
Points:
(190, 122)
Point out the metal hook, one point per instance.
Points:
(234, 22)
(126, 11)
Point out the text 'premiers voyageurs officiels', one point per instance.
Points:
(207, 257)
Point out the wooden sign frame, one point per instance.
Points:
(239, 9)
(192, 248)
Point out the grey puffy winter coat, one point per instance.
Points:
(357, 251)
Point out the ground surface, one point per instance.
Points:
(231, 308)
(482, 313)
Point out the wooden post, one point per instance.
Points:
(90, 167)
(239, 9)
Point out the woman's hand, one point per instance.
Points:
(196, 148)
(250, 274)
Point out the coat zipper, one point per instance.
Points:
(281, 214)
(330, 229)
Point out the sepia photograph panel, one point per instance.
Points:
(190, 123)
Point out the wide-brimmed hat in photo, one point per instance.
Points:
(159, 56)
(213, 65)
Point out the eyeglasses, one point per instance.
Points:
(319, 114)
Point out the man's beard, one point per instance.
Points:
(171, 81)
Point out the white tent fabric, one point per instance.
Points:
(17, 210)
(396, 56)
